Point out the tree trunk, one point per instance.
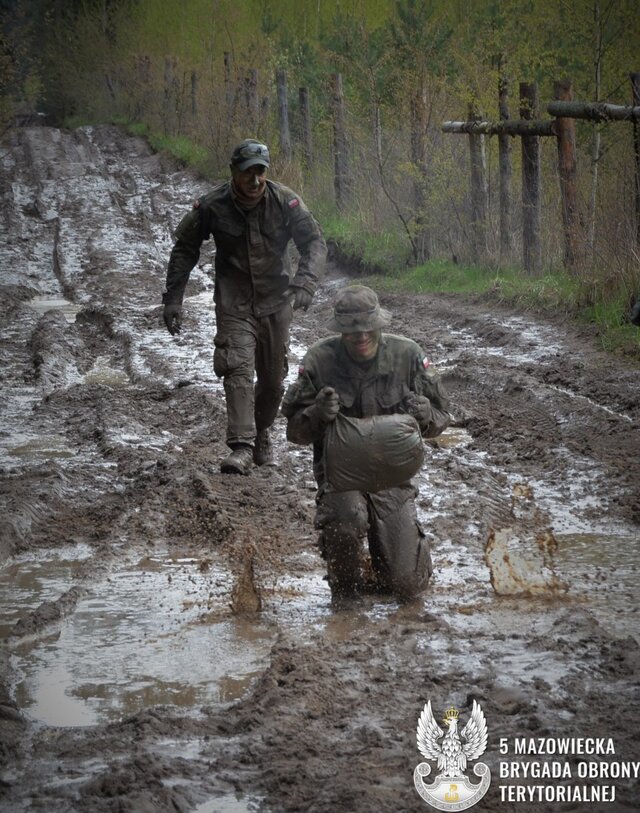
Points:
(194, 94)
(252, 100)
(567, 170)
(305, 127)
(635, 87)
(595, 137)
(532, 258)
(283, 115)
(504, 152)
(341, 168)
(478, 193)
(422, 242)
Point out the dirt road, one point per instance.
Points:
(135, 675)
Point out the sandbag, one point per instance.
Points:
(371, 454)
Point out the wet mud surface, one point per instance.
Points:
(169, 640)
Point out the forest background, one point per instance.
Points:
(393, 193)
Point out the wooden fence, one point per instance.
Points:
(530, 128)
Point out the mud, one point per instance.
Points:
(169, 640)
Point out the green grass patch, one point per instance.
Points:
(384, 249)
(505, 284)
(182, 148)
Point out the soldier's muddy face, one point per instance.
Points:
(363, 345)
(251, 182)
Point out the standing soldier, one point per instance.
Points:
(361, 373)
(252, 220)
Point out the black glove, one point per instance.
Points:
(300, 298)
(419, 406)
(635, 314)
(327, 404)
(172, 316)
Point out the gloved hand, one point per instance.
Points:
(172, 316)
(419, 406)
(300, 298)
(635, 314)
(327, 404)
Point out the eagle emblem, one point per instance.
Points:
(451, 789)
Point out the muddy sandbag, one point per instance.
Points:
(371, 454)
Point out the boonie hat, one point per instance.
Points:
(249, 153)
(357, 309)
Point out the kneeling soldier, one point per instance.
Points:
(361, 373)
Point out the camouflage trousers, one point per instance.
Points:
(249, 347)
(399, 551)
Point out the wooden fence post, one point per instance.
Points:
(283, 114)
(635, 87)
(532, 257)
(341, 171)
(478, 191)
(305, 126)
(504, 159)
(567, 172)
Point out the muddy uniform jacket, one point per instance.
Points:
(252, 263)
(400, 368)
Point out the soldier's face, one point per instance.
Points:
(250, 183)
(363, 345)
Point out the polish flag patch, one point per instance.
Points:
(293, 203)
(426, 363)
(300, 370)
(196, 204)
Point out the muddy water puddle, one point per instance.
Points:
(231, 803)
(154, 632)
(43, 304)
(44, 447)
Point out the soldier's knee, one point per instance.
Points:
(409, 575)
(342, 518)
(232, 359)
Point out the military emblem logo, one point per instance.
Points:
(451, 789)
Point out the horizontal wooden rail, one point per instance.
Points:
(594, 111)
(514, 127)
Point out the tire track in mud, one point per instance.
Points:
(329, 724)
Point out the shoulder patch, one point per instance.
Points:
(293, 203)
(426, 363)
(301, 370)
(196, 204)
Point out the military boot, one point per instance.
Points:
(262, 451)
(239, 461)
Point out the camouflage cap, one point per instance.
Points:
(357, 309)
(248, 153)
